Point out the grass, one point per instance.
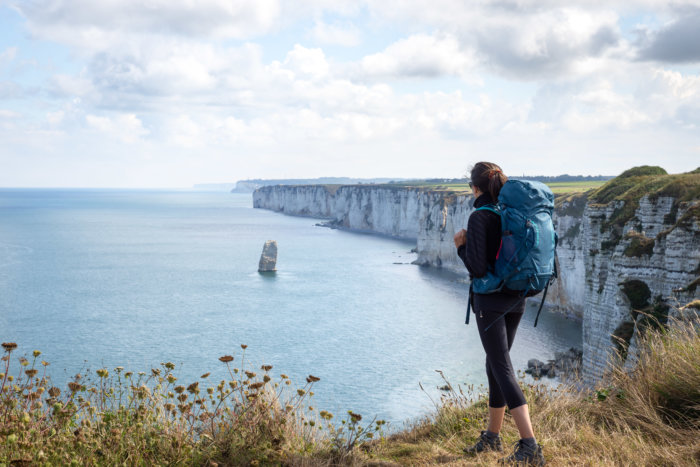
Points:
(647, 416)
(558, 188)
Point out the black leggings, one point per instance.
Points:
(497, 341)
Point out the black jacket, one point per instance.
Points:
(483, 239)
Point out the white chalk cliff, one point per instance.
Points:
(600, 252)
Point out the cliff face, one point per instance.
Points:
(628, 252)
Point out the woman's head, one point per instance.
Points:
(488, 178)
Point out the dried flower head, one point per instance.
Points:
(257, 385)
(250, 374)
(155, 371)
(205, 375)
(193, 388)
(9, 346)
(226, 358)
(312, 379)
(54, 392)
(243, 346)
(74, 387)
(45, 363)
(355, 417)
(266, 367)
(179, 389)
(171, 378)
(31, 372)
(301, 392)
(266, 378)
(36, 353)
(102, 372)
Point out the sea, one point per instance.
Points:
(97, 278)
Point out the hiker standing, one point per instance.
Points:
(497, 316)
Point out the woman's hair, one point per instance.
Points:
(488, 178)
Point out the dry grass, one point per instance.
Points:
(648, 416)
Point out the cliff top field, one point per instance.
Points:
(452, 188)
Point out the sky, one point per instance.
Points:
(170, 93)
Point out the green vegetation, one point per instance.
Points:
(648, 416)
(122, 418)
(639, 245)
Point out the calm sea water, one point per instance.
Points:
(98, 278)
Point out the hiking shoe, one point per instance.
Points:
(524, 455)
(484, 444)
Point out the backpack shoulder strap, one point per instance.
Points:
(489, 207)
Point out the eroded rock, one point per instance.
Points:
(268, 258)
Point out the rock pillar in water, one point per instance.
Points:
(268, 258)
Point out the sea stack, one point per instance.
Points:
(268, 258)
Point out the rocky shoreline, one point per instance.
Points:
(565, 365)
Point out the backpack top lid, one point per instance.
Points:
(526, 195)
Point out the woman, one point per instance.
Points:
(478, 247)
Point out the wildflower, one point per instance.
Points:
(45, 363)
(250, 374)
(312, 379)
(266, 378)
(210, 390)
(301, 392)
(9, 346)
(23, 361)
(54, 392)
(31, 373)
(243, 346)
(169, 365)
(193, 388)
(266, 367)
(182, 397)
(169, 407)
(325, 415)
(36, 353)
(226, 358)
(283, 376)
(102, 372)
(74, 387)
(257, 385)
(205, 375)
(171, 379)
(179, 389)
(128, 374)
(355, 417)
(155, 371)
(119, 369)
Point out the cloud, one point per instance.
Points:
(86, 22)
(548, 43)
(124, 127)
(345, 34)
(419, 56)
(675, 42)
(8, 55)
(309, 63)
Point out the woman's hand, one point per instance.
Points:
(460, 238)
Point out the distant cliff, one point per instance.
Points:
(627, 252)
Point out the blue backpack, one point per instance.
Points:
(525, 262)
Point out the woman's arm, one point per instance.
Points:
(474, 252)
